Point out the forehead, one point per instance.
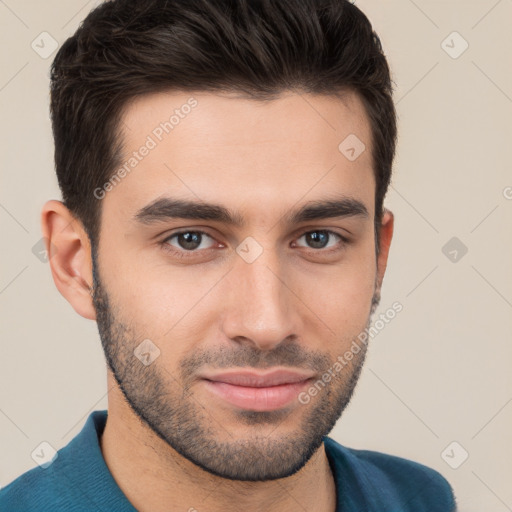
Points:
(242, 152)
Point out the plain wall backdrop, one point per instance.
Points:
(437, 385)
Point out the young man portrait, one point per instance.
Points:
(223, 167)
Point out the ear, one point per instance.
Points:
(69, 255)
(386, 234)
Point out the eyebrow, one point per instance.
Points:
(167, 208)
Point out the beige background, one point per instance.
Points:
(438, 373)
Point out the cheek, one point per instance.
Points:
(173, 307)
(342, 295)
(146, 296)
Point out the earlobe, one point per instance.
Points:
(69, 255)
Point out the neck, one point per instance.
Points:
(154, 477)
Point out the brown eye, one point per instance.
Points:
(320, 238)
(187, 241)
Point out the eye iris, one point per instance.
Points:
(192, 240)
(318, 239)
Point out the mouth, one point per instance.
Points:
(257, 391)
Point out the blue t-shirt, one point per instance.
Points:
(366, 481)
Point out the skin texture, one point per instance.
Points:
(169, 442)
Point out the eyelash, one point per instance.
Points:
(192, 253)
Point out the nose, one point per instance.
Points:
(262, 308)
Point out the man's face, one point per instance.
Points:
(270, 292)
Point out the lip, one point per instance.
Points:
(258, 391)
(253, 379)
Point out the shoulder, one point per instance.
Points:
(390, 483)
(68, 483)
(36, 489)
